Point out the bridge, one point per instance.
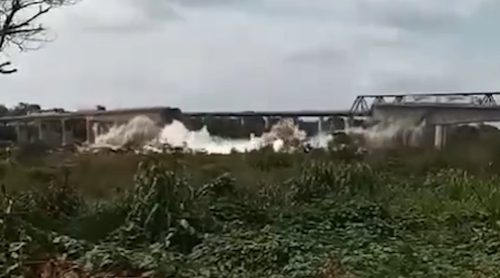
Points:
(364, 104)
(438, 110)
(280, 114)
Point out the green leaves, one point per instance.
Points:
(329, 219)
(319, 178)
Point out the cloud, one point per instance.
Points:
(121, 16)
(256, 54)
(155, 10)
(325, 56)
(414, 15)
(411, 83)
(210, 3)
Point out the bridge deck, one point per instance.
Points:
(304, 113)
(434, 105)
(138, 111)
(81, 114)
(437, 94)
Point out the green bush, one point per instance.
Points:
(42, 175)
(269, 161)
(319, 178)
(261, 215)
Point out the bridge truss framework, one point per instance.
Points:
(363, 103)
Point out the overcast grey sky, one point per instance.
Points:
(257, 54)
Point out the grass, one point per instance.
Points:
(404, 213)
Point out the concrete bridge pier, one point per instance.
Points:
(64, 134)
(19, 135)
(88, 130)
(39, 125)
(321, 121)
(267, 123)
(439, 136)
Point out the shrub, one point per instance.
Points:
(319, 178)
(30, 151)
(41, 175)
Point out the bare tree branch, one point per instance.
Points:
(4, 70)
(19, 25)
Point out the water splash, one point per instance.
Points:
(177, 135)
(141, 132)
(389, 133)
(133, 134)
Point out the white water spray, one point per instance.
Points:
(142, 132)
(177, 135)
(133, 134)
(387, 133)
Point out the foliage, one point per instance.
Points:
(326, 218)
(320, 178)
(269, 160)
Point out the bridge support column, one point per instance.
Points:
(64, 134)
(321, 121)
(267, 123)
(39, 124)
(18, 132)
(439, 136)
(88, 130)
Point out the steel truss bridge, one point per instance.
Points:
(363, 105)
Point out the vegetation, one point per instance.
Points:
(253, 215)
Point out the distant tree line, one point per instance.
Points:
(20, 109)
(8, 133)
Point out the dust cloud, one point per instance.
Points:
(142, 133)
(389, 133)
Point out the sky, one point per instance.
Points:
(256, 54)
